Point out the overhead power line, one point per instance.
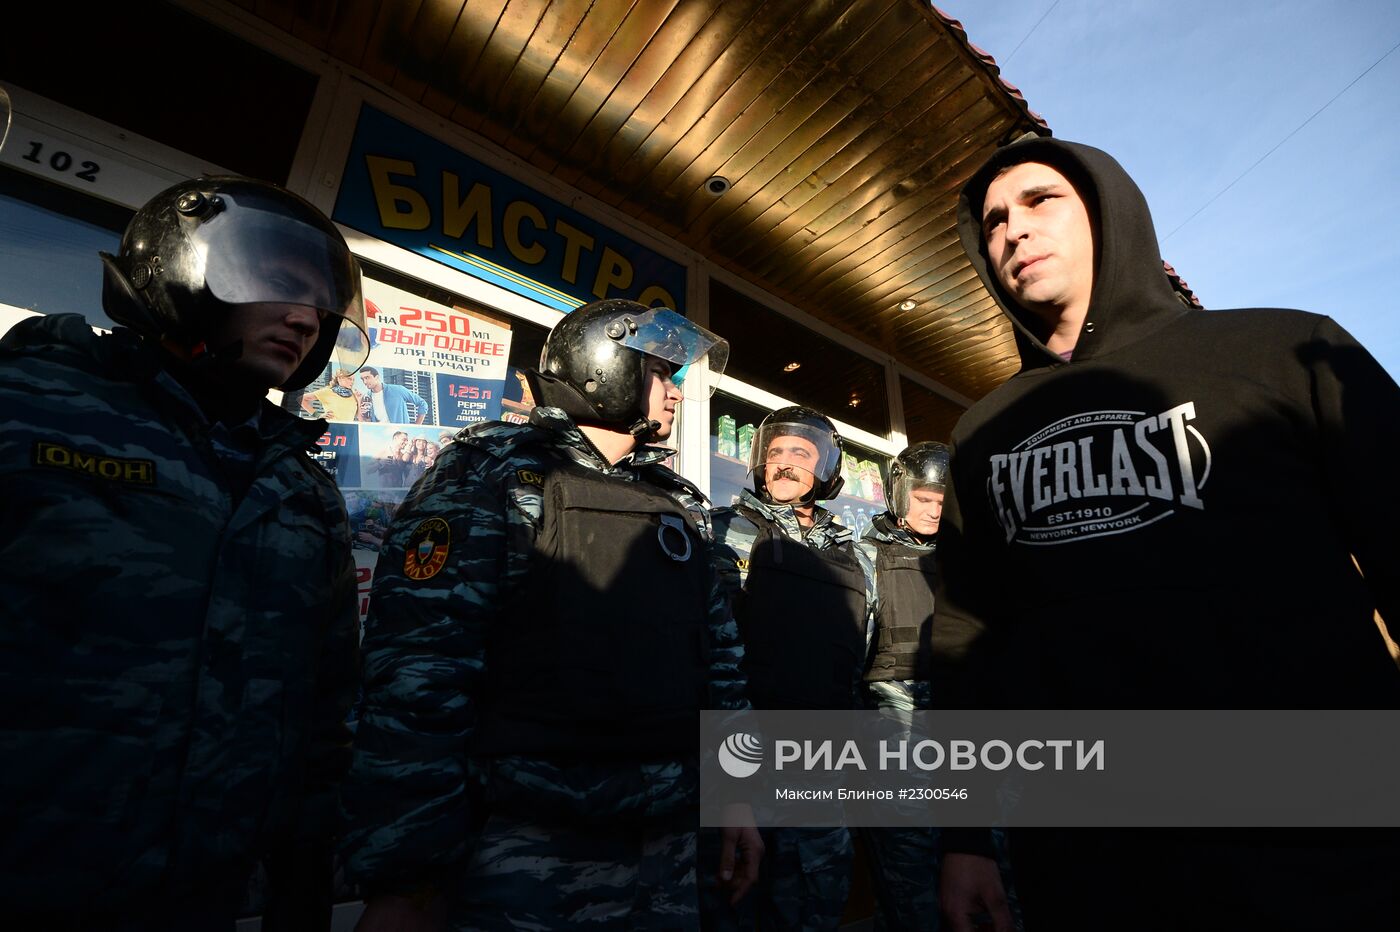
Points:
(1028, 34)
(1281, 142)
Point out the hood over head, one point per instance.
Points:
(1132, 294)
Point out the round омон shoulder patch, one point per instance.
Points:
(426, 551)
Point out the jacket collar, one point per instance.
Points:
(582, 450)
(825, 528)
(883, 529)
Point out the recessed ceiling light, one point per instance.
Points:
(792, 367)
(908, 305)
(717, 185)
(855, 401)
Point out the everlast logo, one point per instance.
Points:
(115, 468)
(1099, 473)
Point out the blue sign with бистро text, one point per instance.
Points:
(407, 188)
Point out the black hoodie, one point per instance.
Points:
(1168, 520)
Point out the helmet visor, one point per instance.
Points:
(923, 466)
(665, 334)
(254, 252)
(901, 492)
(795, 447)
(351, 348)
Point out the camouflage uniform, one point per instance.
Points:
(179, 639)
(806, 875)
(514, 842)
(903, 861)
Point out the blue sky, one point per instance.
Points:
(1188, 95)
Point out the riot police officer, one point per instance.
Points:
(544, 629)
(180, 634)
(900, 544)
(802, 597)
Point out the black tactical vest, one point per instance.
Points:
(904, 579)
(802, 619)
(603, 650)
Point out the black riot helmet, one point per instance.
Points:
(921, 466)
(200, 249)
(802, 422)
(594, 362)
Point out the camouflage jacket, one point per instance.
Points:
(178, 662)
(414, 799)
(904, 695)
(735, 536)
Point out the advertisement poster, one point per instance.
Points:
(432, 370)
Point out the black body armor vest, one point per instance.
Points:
(802, 618)
(904, 578)
(603, 649)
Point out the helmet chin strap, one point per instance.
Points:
(645, 429)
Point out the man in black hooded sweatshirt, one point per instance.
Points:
(1161, 510)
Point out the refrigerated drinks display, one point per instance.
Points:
(862, 495)
(732, 426)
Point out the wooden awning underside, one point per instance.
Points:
(845, 129)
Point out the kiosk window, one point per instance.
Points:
(862, 495)
(927, 414)
(732, 426)
(49, 240)
(779, 355)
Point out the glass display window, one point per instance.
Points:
(49, 240)
(862, 494)
(733, 423)
(525, 349)
(927, 414)
(777, 354)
